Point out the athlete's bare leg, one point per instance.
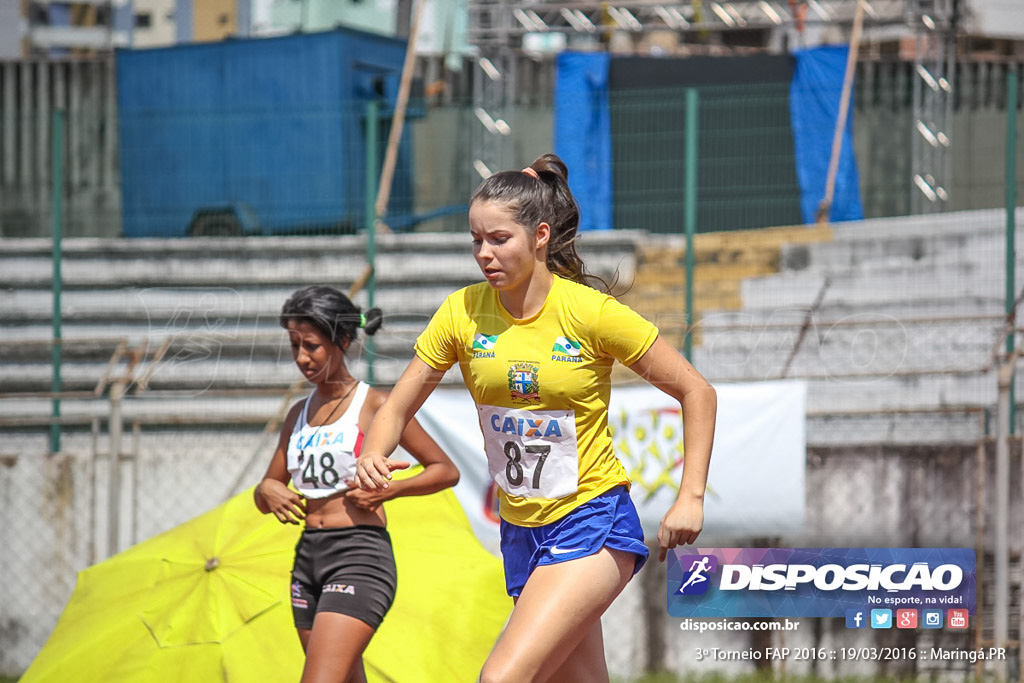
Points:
(358, 674)
(586, 662)
(552, 626)
(334, 649)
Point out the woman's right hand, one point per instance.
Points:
(373, 472)
(285, 504)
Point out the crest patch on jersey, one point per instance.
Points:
(522, 382)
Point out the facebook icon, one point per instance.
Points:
(855, 618)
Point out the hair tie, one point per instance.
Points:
(362, 320)
(532, 172)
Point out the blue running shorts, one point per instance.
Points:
(610, 520)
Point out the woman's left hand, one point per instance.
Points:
(680, 525)
(367, 500)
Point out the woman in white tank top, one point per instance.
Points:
(343, 581)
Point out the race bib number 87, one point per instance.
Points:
(531, 453)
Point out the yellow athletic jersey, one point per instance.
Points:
(556, 365)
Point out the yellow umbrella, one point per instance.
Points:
(209, 600)
(207, 597)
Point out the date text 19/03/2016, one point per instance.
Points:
(851, 654)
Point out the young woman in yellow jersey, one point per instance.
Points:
(536, 346)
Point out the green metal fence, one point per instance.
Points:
(898, 324)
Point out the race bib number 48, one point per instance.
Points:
(531, 453)
(321, 462)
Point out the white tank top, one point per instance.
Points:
(321, 459)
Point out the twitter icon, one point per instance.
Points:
(881, 618)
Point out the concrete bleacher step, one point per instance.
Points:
(249, 337)
(896, 322)
(194, 375)
(159, 408)
(195, 307)
(193, 360)
(722, 261)
(851, 350)
(866, 289)
(966, 236)
(923, 308)
(197, 328)
(407, 258)
(893, 249)
(839, 395)
(937, 428)
(929, 225)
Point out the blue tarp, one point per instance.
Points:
(273, 124)
(583, 134)
(814, 97)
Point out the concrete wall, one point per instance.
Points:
(884, 130)
(442, 146)
(30, 92)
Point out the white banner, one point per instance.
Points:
(756, 481)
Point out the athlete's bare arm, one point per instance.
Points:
(666, 369)
(373, 468)
(272, 493)
(439, 472)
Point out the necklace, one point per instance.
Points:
(340, 400)
(334, 410)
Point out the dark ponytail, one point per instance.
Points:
(372, 321)
(540, 194)
(331, 312)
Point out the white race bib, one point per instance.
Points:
(531, 453)
(321, 462)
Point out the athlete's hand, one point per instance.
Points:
(680, 525)
(367, 500)
(288, 506)
(374, 471)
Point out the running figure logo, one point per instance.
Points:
(696, 580)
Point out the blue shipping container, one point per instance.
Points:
(272, 127)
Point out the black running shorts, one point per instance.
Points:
(348, 570)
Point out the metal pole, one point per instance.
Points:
(115, 429)
(58, 229)
(1012, 94)
(825, 206)
(1006, 393)
(653, 579)
(690, 210)
(372, 144)
(387, 173)
(980, 513)
(1011, 232)
(1001, 570)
